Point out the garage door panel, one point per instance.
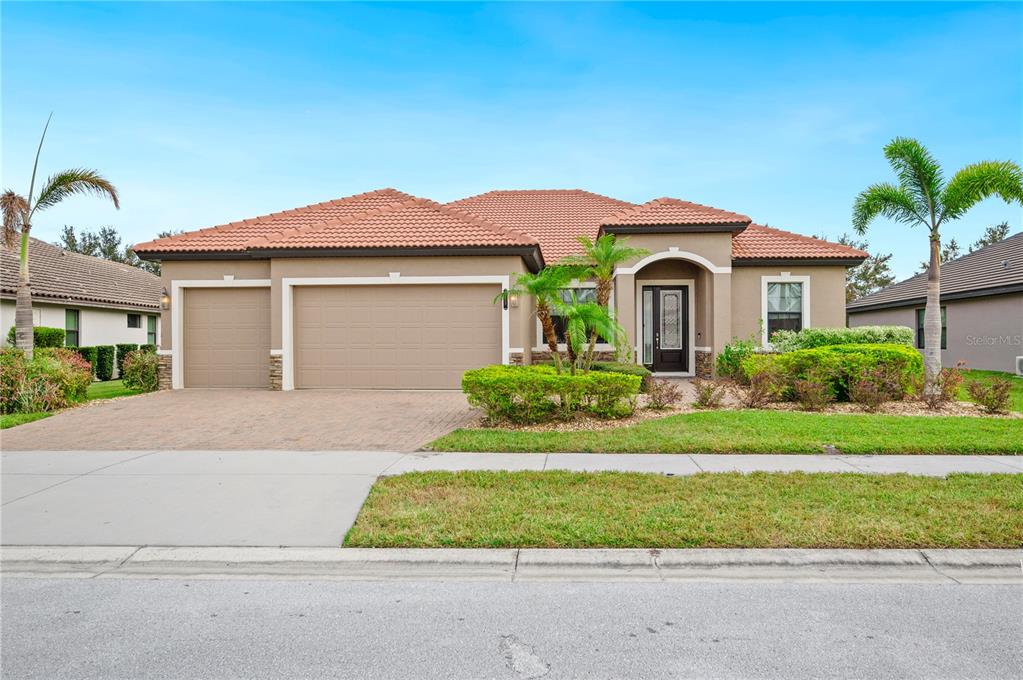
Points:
(418, 337)
(227, 337)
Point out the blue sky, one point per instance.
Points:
(203, 113)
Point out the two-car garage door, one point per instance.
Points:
(394, 336)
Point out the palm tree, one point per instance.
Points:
(598, 261)
(545, 289)
(923, 197)
(582, 318)
(18, 212)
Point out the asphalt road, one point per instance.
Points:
(78, 628)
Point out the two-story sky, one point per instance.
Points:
(205, 113)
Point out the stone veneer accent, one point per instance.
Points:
(164, 379)
(704, 364)
(275, 372)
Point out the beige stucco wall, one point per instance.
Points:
(986, 333)
(827, 297)
(716, 247)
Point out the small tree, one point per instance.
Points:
(923, 197)
(582, 319)
(545, 288)
(18, 212)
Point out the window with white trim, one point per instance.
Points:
(784, 306)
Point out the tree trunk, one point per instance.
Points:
(603, 299)
(547, 325)
(932, 319)
(23, 338)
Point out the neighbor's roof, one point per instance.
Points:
(552, 219)
(59, 275)
(997, 268)
(758, 242)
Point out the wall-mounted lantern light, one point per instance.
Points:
(514, 301)
(165, 300)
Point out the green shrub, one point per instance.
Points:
(139, 370)
(808, 338)
(89, 354)
(55, 378)
(531, 394)
(620, 367)
(42, 336)
(729, 360)
(104, 362)
(994, 396)
(838, 366)
(148, 347)
(122, 351)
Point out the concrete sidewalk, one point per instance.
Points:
(374, 564)
(304, 498)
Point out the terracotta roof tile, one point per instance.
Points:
(235, 236)
(555, 217)
(414, 223)
(59, 275)
(758, 242)
(673, 211)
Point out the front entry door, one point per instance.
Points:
(670, 321)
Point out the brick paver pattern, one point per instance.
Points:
(305, 420)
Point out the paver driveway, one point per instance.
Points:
(307, 420)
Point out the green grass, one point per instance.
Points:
(109, 389)
(720, 510)
(761, 432)
(13, 419)
(1016, 403)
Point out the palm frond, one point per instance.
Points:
(978, 181)
(74, 181)
(886, 200)
(14, 208)
(918, 171)
(601, 256)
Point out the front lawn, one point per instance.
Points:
(107, 389)
(1016, 401)
(751, 431)
(722, 510)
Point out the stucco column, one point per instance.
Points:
(625, 308)
(722, 314)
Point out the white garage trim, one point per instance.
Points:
(395, 278)
(178, 318)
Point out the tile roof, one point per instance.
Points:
(415, 223)
(235, 236)
(552, 218)
(672, 211)
(59, 275)
(555, 217)
(999, 265)
(757, 242)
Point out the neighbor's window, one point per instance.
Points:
(784, 306)
(920, 329)
(134, 321)
(151, 330)
(72, 327)
(581, 295)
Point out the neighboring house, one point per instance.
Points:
(981, 307)
(95, 301)
(386, 290)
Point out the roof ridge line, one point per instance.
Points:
(323, 224)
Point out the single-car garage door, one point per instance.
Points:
(227, 337)
(402, 336)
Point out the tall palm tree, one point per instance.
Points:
(598, 261)
(18, 212)
(582, 318)
(923, 197)
(545, 289)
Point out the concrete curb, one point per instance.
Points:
(526, 564)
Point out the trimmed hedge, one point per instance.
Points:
(838, 366)
(616, 367)
(104, 362)
(148, 347)
(122, 352)
(89, 354)
(42, 336)
(808, 338)
(531, 394)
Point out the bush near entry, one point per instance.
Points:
(139, 370)
(531, 394)
(808, 338)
